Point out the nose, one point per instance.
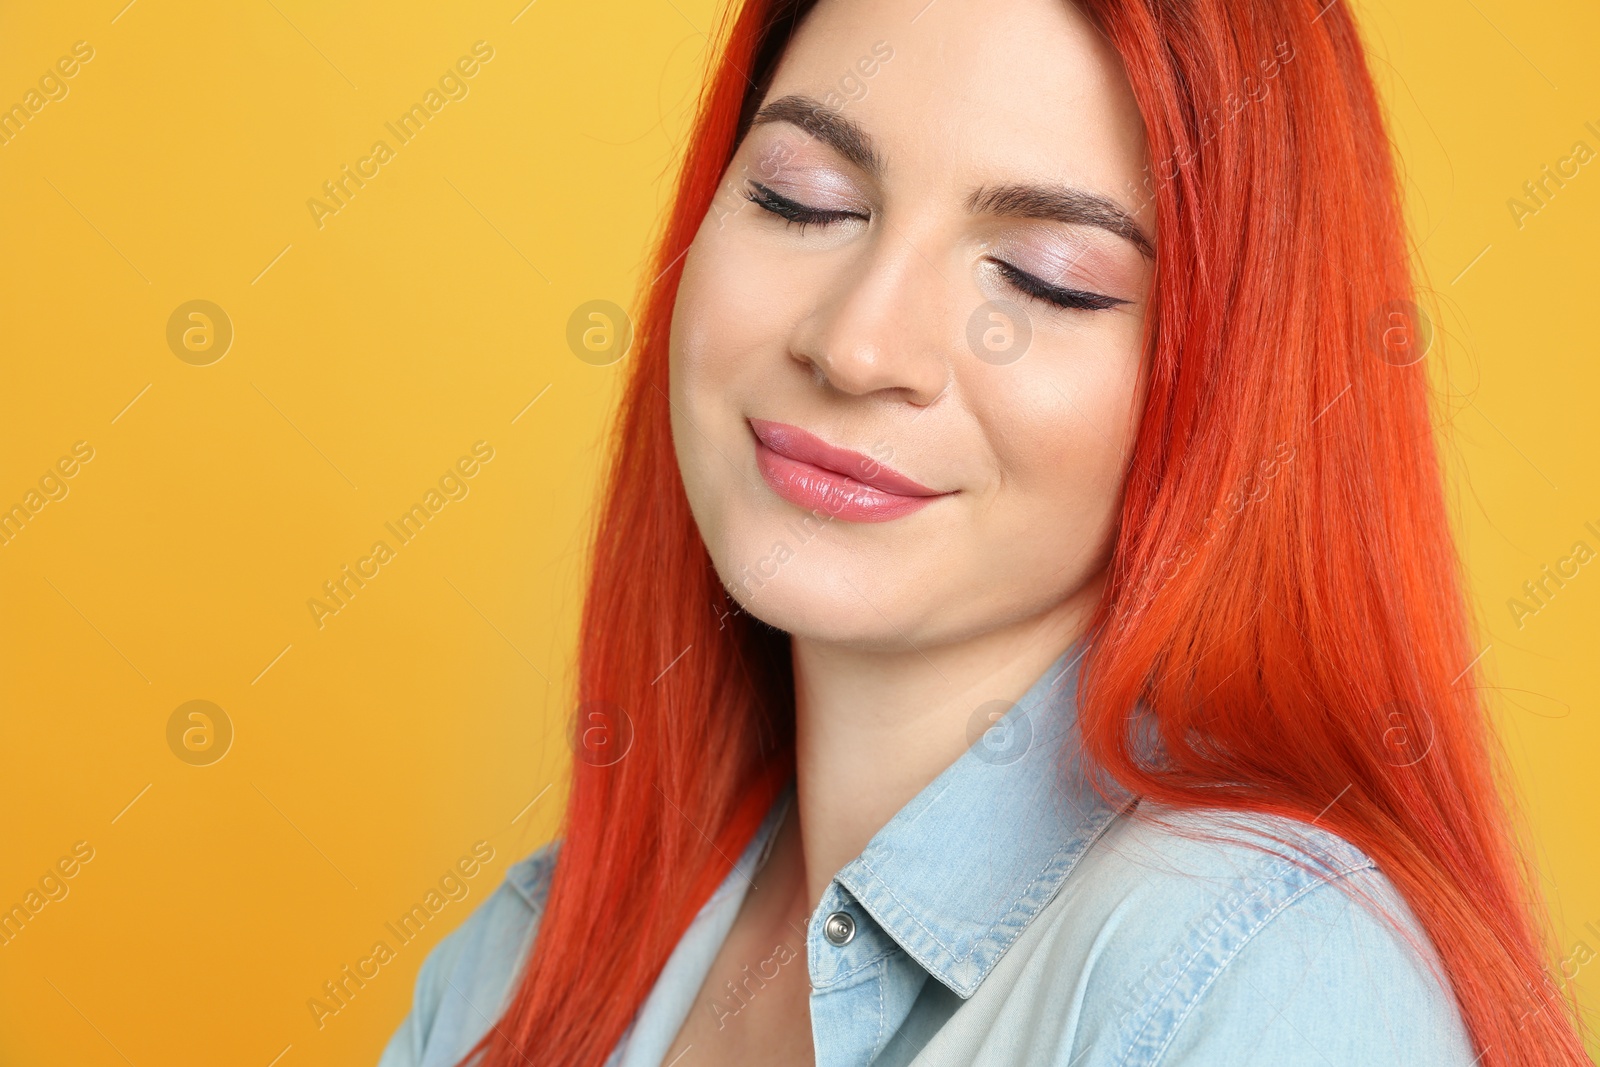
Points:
(877, 328)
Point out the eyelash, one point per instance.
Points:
(1055, 295)
(792, 211)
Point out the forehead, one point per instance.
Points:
(974, 90)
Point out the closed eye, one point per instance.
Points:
(1077, 299)
(793, 210)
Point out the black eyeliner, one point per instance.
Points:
(793, 210)
(1065, 298)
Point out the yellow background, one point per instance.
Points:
(426, 315)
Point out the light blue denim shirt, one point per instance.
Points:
(1008, 915)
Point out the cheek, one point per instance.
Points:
(693, 377)
(1059, 424)
(722, 347)
(728, 317)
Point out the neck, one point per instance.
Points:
(873, 728)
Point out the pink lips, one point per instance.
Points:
(810, 473)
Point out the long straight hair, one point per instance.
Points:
(1284, 594)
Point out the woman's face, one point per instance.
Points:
(924, 252)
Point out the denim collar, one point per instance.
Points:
(957, 874)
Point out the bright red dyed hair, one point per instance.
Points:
(1280, 644)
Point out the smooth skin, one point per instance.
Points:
(855, 327)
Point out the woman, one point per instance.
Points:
(1023, 626)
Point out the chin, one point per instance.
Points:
(817, 595)
(825, 621)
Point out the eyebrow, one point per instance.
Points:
(826, 125)
(1061, 204)
(1058, 203)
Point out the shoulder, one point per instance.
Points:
(468, 977)
(1233, 938)
(530, 876)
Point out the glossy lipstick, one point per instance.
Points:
(812, 474)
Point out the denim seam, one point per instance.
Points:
(1194, 999)
(870, 961)
(1213, 925)
(883, 887)
(1059, 866)
(883, 980)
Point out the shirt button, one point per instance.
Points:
(839, 928)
